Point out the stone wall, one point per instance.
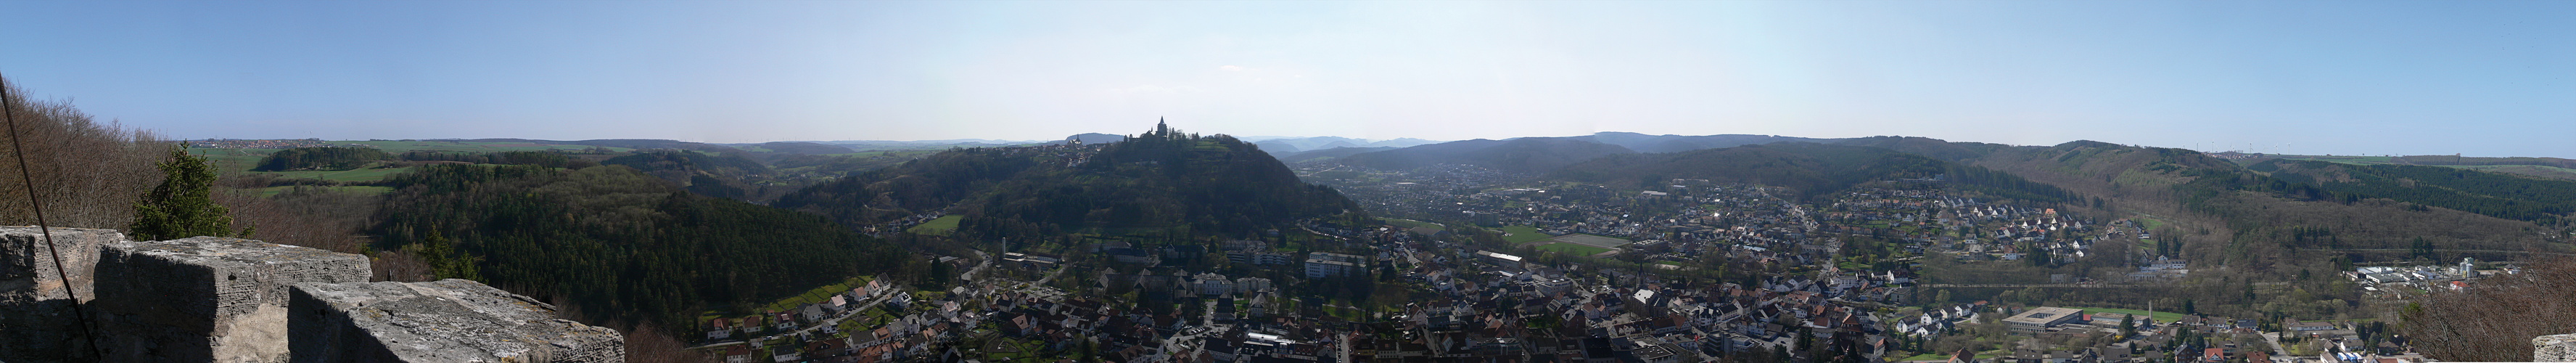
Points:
(36, 317)
(448, 320)
(231, 300)
(2554, 348)
(206, 299)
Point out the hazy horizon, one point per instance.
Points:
(2344, 78)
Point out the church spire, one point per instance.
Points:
(1160, 128)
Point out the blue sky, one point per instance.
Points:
(2486, 78)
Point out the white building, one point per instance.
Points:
(1212, 284)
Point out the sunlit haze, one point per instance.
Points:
(2489, 78)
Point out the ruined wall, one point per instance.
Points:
(210, 299)
(36, 317)
(206, 299)
(448, 320)
(2553, 348)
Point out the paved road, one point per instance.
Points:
(983, 260)
(1312, 230)
(1345, 343)
(2275, 339)
(1059, 270)
(834, 320)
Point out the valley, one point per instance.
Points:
(1172, 246)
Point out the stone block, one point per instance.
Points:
(440, 321)
(39, 325)
(2554, 348)
(207, 299)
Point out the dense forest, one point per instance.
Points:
(618, 244)
(2459, 160)
(549, 159)
(320, 158)
(919, 186)
(729, 175)
(2005, 185)
(1163, 180)
(1528, 155)
(1212, 185)
(2496, 195)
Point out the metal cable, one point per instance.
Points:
(8, 113)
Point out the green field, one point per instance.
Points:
(937, 226)
(273, 191)
(1411, 224)
(2151, 223)
(351, 175)
(1594, 241)
(231, 161)
(1523, 234)
(239, 160)
(1576, 249)
(398, 147)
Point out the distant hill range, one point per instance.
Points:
(1278, 145)
(1095, 138)
(2554, 168)
(626, 143)
(1540, 155)
(2260, 215)
(1530, 155)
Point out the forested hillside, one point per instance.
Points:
(320, 158)
(1528, 155)
(1163, 181)
(2490, 194)
(616, 243)
(2224, 215)
(1811, 169)
(87, 173)
(1675, 143)
(915, 187)
(730, 175)
(542, 158)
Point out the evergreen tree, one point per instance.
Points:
(184, 204)
(2128, 327)
(445, 262)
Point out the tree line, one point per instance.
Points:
(320, 158)
(616, 243)
(540, 158)
(1162, 182)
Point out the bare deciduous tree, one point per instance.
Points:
(86, 173)
(2495, 318)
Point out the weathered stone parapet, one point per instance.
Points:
(36, 319)
(2554, 348)
(206, 299)
(27, 265)
(441, 321)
